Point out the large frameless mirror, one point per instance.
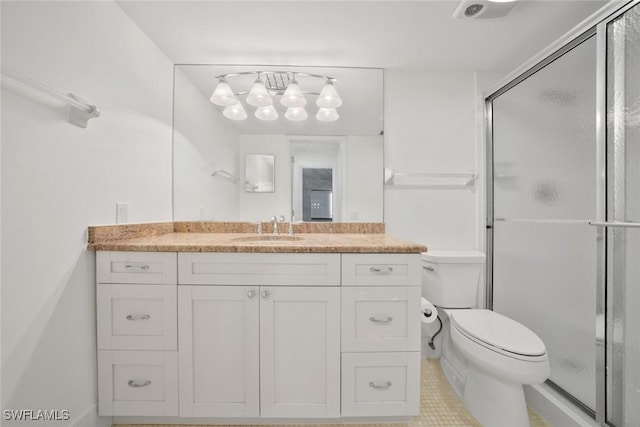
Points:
(214, 148)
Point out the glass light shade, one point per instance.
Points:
(327, 115)
(258, 95)
(329, 97)
(293, 96)
(223, 95)
(235, 112)
(296, 114)
(266, 113)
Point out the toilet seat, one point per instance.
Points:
(499, 333)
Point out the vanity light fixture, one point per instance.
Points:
(266, 113)
(283, 84)
(327, 114)
(296, 114)
(293, 96)
(258, 95)
(223, 95)
(234, 112)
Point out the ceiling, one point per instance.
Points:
(380, 34)
(418, 35)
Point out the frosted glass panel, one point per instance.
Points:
(545, 179)
(623, 281)
(544, 277)
(544, 141)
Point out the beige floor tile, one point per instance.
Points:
(439, 405)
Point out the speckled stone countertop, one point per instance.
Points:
(241, 237)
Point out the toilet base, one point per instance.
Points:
(494, 402)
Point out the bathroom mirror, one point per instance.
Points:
(259, 173)
(205, 141)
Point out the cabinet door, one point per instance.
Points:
(300, 352)
(218, 351)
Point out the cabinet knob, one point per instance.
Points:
(251, 293)
(265, 294)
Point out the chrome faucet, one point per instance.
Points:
(275, 221)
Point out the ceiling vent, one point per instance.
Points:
(483, 9)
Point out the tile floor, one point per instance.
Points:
(439, 406)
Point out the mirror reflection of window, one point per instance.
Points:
(259, 173)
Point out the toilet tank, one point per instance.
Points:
(450, 278)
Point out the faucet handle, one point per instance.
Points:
(282, 218)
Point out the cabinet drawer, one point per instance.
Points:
(380, 384)
(381, 318)
(138, 383)
(259, 269)
(137, 267)
(134, 317)
(380, 269)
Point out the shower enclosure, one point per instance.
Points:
(564, 213)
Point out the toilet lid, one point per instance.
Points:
(495, 330)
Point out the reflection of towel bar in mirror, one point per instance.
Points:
(224, 174)
(435, 179)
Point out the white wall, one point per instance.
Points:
(204, 141)
(262, 206)
(430, 127)
(58, 178)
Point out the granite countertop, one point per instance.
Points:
(235, 237)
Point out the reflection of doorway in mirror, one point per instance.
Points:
(317, 165)
(317, 194)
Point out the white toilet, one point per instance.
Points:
(486, 357)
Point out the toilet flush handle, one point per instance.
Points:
(428, 268)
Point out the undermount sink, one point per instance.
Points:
(267, 239)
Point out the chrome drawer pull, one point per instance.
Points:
(389, 319)
(251, 293)
(428, 268)
(143, 317)
(137, 385)
(376, 270)
(380, 387)
(265, 294)
(135, 267)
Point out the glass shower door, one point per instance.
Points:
(622, 228)
(544, 194)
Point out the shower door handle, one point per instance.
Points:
(615, 224)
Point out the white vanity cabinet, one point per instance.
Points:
(259, 335)
(245, 336)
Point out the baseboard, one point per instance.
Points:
(556, 410)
